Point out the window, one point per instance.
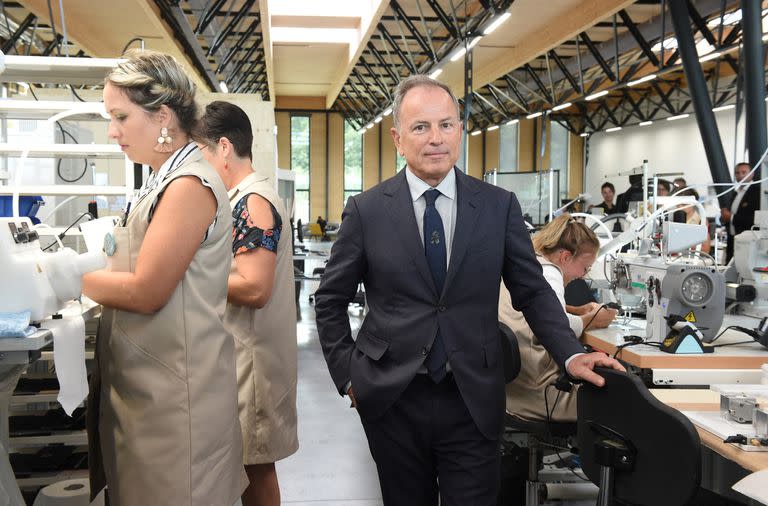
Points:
(558, 155)
(300, 165)
(508, 148)
(462, 150)
(399, 161)
(353, 161)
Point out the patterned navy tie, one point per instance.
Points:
(434, 248)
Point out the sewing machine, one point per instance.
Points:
(650, 281)
(751, 268)
(37, 285)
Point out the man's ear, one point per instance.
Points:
(396, 138)
(226, 147)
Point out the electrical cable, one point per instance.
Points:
(64, 135)
(549, 420)
(61, 235)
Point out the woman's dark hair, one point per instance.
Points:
(689, 192)
(223, 119)
(608, 185)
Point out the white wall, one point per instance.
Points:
(669, 146)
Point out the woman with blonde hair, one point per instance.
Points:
(566, 249)
(163, 426)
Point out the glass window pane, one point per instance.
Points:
(508, 148)
(353, 159)
(399, 162)
(300, 150)
(302, 206)
(460, 161)
(558, 155)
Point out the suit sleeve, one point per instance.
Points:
(338, 286)
(531, 293)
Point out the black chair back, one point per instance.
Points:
(511, 353)
(664, 463)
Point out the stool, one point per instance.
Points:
(67, 493)
(538, 431)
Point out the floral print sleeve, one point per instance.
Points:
(246, 236)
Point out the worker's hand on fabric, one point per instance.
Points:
(351, 395)
(581, 367)
(601, 318)
(590, 307)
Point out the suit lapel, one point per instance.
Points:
(467, 211)
(399, 206)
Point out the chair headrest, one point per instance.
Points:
(510, 351)
(666, 467)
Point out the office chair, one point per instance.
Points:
(638, 450)
(537, 432)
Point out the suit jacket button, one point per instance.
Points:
(441, 308)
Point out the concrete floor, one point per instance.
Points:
(333, 465)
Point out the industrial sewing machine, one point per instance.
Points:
(748, 274)
(678, 295)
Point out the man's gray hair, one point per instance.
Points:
(415, 81)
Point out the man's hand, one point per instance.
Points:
(581, 367)
(351, 395)
(725, 215)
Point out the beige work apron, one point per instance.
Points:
(168, 426)
(525, 395)
(266, 351)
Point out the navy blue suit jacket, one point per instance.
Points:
(379, 243)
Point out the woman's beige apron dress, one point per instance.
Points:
(525, 395)
(167, 406)
(265, 349)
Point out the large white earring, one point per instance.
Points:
(164, 142)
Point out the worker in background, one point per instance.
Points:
(162, 410)
(663, 188)
(608, 193)
(261, 313)
(566, 250)
(323, 225)
(678, 184)
(633, 194)
(740, 216)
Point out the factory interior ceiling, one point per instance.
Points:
(589, 65)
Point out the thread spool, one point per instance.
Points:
(74, 492)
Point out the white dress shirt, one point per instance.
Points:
(445, 205)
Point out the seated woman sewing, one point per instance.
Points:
(566, 250)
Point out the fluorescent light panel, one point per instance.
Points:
(513, 122)
(492, 128)
(680, 116)
(584, 134)
(534, 115)
(496, 23)
(562, 106)
(614, 129)
(649, 77)
(476, 132)
(378, 119)
(710, 56)
(459, 53)
(596, 95)
(387, 111)
(723, 108)
(645, 123)
(436, 73)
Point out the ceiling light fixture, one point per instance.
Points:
(387, 111)
(496, 23)
(614, 129)
(476, 132)
(562, 106)
(710, 56)
(534, 115)
(223, 87)
(492, 128)
(584, 134)
(596, 95)
(645, 123)
(513, 122)
(645, 79)
(378, 119)
(679, 116)
(723, 108)
(435, 73)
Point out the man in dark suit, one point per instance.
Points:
(741, 214)
(425, 373)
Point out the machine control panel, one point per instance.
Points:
(21, 232)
